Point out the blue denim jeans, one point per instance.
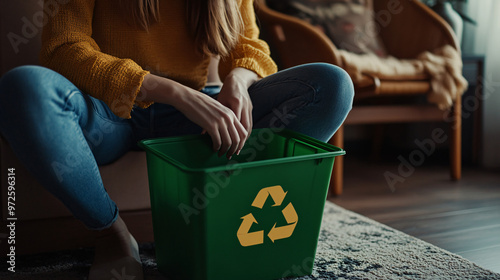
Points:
(62, 135)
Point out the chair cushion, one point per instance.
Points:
(369, 87)
(350, 24)
(404, 87)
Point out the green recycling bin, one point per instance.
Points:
(256, 216)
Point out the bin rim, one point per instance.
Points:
(330, 151)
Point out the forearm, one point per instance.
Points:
(241, 75)
(213, 117)
(162, 90)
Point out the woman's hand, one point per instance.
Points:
(234, 95)
(223, 126)
(220, 122)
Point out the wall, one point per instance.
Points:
(21, 24)
(484, 39)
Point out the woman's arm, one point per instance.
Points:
(234, 95)
(220, 122)
(247, 62)
(68, 48)
(251, 52)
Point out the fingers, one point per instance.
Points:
(216, 141)
(230, 138)
(228, 135)
(236, 130)
(243, 125)
(247, 122)
(220, 122)
(233, 138)
(243, 135)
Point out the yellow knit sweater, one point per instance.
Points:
(90, 43)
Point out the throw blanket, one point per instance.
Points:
(443, 67)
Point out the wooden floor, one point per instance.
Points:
(462, 217)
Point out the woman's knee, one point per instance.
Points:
(33, 89)
(21, 78)
(334, 80)
(22, 84)
(333, 84)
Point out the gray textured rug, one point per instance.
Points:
(350, 247)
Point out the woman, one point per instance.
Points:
(137, 69)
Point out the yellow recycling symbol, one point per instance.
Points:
(247, 238)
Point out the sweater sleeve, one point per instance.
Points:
(68, 48)
(251, 52)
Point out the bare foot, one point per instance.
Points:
(116, 254)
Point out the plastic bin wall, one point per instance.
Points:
(256, 216)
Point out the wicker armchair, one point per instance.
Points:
(406, 34)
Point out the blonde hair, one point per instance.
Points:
(215, 24)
